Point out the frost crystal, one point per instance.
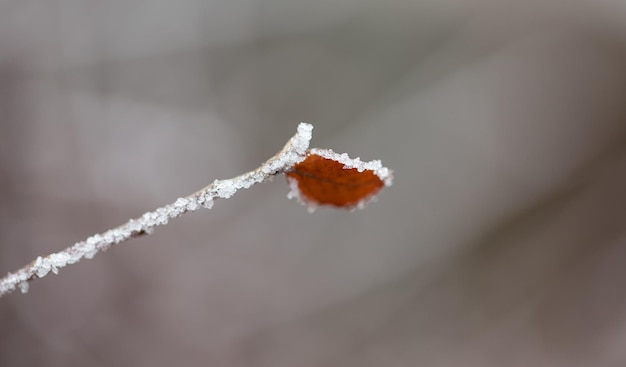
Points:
(300, 142)
(42, 268)
(192, 205)
(208, 203)
(180, 203)
(384, 173)
(225, 188)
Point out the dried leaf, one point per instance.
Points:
(327, 178)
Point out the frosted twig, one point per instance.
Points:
(293, 153)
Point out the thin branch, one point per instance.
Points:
(293, 153)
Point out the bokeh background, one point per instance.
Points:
(501, 243)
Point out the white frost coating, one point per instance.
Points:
(294, 193)
(300, 142)
(208, 203)
(384, 173)
(224, 188)
(293, 152)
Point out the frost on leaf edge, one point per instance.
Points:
(383, 173)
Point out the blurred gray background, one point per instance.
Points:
(501, 243)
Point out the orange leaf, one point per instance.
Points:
(328, 178)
